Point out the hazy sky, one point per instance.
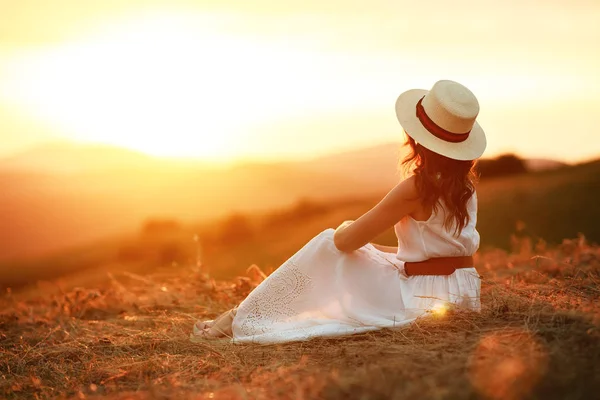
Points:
(274, 79)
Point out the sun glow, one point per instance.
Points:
(228, 83)
(439, 308)
(168, 86)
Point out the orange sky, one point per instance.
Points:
(227, 80)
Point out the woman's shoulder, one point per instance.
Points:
(405, 190)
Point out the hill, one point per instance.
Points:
(377, 165)
(544, 207)
(60, 201)
(70, 158)
(542, 164)
(60, 196)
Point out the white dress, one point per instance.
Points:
(321, 291)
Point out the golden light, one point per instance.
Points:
(230, 84)
(439, 309)
(151, 86)
(178, 85)
(507, 364)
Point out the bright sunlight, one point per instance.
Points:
(170, 86)
(228, 86)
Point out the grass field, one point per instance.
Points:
(112, 319)
(126, 337)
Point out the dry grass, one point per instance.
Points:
(536, 337)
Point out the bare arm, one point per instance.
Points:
(399, 202)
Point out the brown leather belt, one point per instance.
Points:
(438, 266)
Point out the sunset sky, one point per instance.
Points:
(271, 79)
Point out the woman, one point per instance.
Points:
(339, 283)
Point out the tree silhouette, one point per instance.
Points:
(508, 164)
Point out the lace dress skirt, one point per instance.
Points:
(321, 291)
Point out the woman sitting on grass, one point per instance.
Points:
(340, 283)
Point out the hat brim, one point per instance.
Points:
(470, 149)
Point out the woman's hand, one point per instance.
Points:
(340, 229)
(345, 224)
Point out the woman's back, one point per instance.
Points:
(422, 240)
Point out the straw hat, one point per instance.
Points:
(443, 120)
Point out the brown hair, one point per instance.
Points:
(442, 178)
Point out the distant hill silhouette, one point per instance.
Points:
(74, 158)
(504, 165)
(378, 164)
(58, 196)
(542, 164)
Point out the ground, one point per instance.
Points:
(127, 337)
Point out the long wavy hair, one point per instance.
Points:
(439, 178)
